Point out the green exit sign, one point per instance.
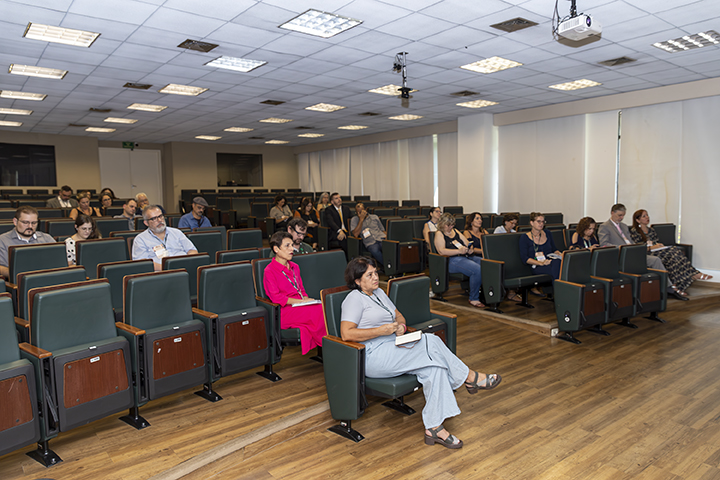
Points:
(129, 145)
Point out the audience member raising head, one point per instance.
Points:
(159, 240)
(129, 208)
(324, 202)
(85, 229)
(369, 317)
(84, 207)
(25, 232)
(584, 236)
(510, 221)
(105, 202)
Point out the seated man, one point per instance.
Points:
(368, 227)
(195, 219)
(159, 240)
(297, 227)
(337, 219)
(129, 209)
(142, 202)
(63, 200)
(25, 232)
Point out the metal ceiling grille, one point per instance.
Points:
(273, 102)
(617, 61)
(101, 110)
(139, 86)
(197, 46)
(465, 93)
(514, 25)
(369, 114)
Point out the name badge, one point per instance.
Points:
(160, 251)
(366, 233)
(457, 244)
(540, 256)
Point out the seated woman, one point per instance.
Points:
(584, 236)
(535, 246)
(85, 229)
(283, 285)
(510, 221)
(430, 226)
(109, 191)
(105, 203)
(281, 212)
(307, 212)
(474, 231)
(323, 203)
(369, 317)
(680, 270)
(451, 243)
(84, 207)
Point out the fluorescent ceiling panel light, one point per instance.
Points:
(175, 89)
(119, 120)
(575, 85)
(237, 64)
(147, 108)
(689, 42)
(207, 137)
(311, 135)
(276, 120)
(99, 130)
(352, 127)
(239, 129)
(320, 24)
(4, 123)
(476, 104)
(14, 111)
(491, 65)
(38, 97)
(391, 89)
(66, 36)
(42, 72)
(276, 142)
(324, 107)
(405, 117)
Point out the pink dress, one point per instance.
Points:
(282, 283)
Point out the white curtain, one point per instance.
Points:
(601, 133)
(448, 169)
(420, 169)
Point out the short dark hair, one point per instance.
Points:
(82, 219)
(130, 200)
(27, 209)
(148, 208)
(432, 210)
(297, 222)
(66, 188)
(360, 203)
(535, 215)
(356, 269)
(280, 197)
(277, 239)
(333, 194)
(617, 208)
(509, 217)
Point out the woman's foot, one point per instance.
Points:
(477, 304)
(474, 383)
(443, 437)
(537, 291)
(514, 297)
(679, 294)
(702, 276)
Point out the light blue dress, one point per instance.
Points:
(438, 370)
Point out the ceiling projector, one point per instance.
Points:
(579, 27)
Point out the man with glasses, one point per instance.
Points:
(63, 200)
(159, 240)
(369, 227)
(297, 227)
(24, 233)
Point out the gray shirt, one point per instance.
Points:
(372, 225)
(12, 238)
(131, 220)
(368, 312)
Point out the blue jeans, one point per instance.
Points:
(470, 267)
(376, 251)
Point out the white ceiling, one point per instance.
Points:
(139, 39)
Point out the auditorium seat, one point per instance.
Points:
(667, 236)
(440, 276)
(209, 241)
(239, 255)
(190, 263)
(56, 227)
(401, 252)
(619, 288)
(114, 272)
(455, 210)
(650, 284)
(411, 203)
(105, 225)
(26, 258)
(90, 253)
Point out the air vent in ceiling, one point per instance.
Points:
(369, 114)
(139, 86)
(465, 93)
(197, 46)
(257, 138)
(514, 25)
(304, 128)
(273, 102)
(617, 61)
(76, 125)
(101, 110)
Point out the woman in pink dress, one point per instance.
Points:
(283, 285)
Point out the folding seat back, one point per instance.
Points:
(241, 206)
(460, 222)
(60, 227)
(384, 212)
(19, 420)
(260, 210)
(50, 213)
(26, 258)
(650, 284)
(239, 255)
(7, 213)
(209, 242)
(175, 353)
(524, 219)
(361, 198)
(619, 290)
(409, 294)
(190, 264)
(401, 252)
(90, 253)
(411, 203)
(455, 210)
(114, 272)
(105, 225)
(389, 203)
(405, 211)
(219, 228)
(553, 218)
(244, 238)
(667, 235)
(559, 239)
(496, 221)
(418, 225)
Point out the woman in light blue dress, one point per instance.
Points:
(369, 317)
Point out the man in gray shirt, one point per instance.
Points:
(24, 233)
(129, 208)
(368, 227)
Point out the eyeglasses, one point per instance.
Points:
(156, 219)
(28, 224)
(300, 234)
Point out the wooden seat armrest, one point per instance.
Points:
(34, 351)
(494, 261)
(204, 313)
(22, 322)
(354, 237)
(571, 283)
(266, 301)
(129, 328)
(391, 241)
(355, 345)
(601, 278)
(630, 274)
(10, 286)
(684, 244)
(409, 329)
(443, 314)
(656, 270)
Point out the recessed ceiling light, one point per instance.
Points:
(688, 42)
(42, 72)
(491, 65)
(405, 117)
(575, 85)
(4, 123)
(147, 108)
(237, 64)
(388, 90)
(38, 97)
(276, 120)
(320, 24)
(207, 137)
(14, 111)
(276, 142)
(67, 36)
(476, 104)
(119, 120)
(239, 129)
(311, 135)
(352, 127)
(99, 130)
(175, 89)
(324, 107)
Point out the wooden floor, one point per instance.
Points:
(640, 404)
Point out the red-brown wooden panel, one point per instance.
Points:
(94, 377)
(245, 336)
(622, 295)
(177, 354)
(650, 291)
(409, 254)
(17, 409)
(594, 301)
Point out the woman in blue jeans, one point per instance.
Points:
(451, 243)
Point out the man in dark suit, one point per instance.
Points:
(63, 200)
(337, 219)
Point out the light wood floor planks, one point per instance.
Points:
(640, 404)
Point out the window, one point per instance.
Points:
(27, 165)
(239, 169)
